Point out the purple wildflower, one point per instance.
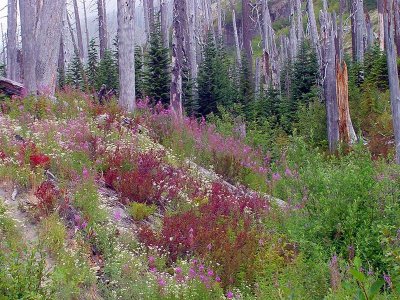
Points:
(229, 295)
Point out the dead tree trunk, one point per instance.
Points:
(346, 130)
(86, 27)
(61, 64)
(106, 23)
(329, 79)
(219, 19)
(396, 9)
(102, 28)
(246, 33)
(164, 23)
(151, 15)
(78, 30)
(237, 45)
(381, 31)
(270, 59)
(388, 21)
(178, 56)
(312, 23)
(41, 27)
(12, 40)
(192, 46)
(299, 20)
(358, 32)
(71, 32)
(28, 12)
(126, 53)
(369, 32)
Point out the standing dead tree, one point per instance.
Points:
(12, 40)
(179, 25)
(78, 30)
(390, 45)
(41, 27)
(126, 53)
(102, 28)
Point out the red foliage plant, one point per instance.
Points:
(3, 156)
(48, 194)
(221, 230)
(39, 160)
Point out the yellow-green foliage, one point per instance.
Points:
(53, 233)
(140, 211)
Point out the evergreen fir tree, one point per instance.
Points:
(74, 73)
(246, 92)
(107, 72)
(157, 69)
(92, 66)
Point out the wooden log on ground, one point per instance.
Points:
(11, 87)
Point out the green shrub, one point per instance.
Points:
(140, 211)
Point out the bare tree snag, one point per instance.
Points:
(102, 28)
(28, 13)
(219, 19)
(358, 30)
(126, 53)
(312, 23)
(78, 30)
(381, 31)
(394, 87)
(12, 40)
(246, 33)
(346, 130)
(86, 26)
(192, 46)
(178, 55)
(41, 26)
(236, 35)
(370, 40)
(329, 79)
(396, 9)
(164, 23)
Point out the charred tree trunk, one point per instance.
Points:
(178, 55)
(126, 54)
(102, 28)
(388, 17)
(78, 30)
(12, 40)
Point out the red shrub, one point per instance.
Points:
(39, 160)
(48, 194)
(222, 231)
(2, 155)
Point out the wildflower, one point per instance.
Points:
(388, 280)
(276, 176)
(85, 173)
(217, 279)
(209, 246)
(117, 215)
(288, 173)
(229, 295)
(162, 282)
(210, 272)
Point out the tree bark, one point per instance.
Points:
(126, 54)
(381, 31)
(12, 40)
(329, 79)
(370, 40)
(78, 30)
(164, 23)
(86, 27)
(28, 13)
(71, 32)
(299, 19)
(219, 19)
(192, 49)
(394, 87)
(246, 32)
(312, 23)
(237, 45)
(102, 28)
(178, 56)
(358, 32)
(396, 9)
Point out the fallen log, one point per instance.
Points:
(10, 87)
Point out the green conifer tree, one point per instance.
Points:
(139, 76)
(107, 72)
(74, 73)
(93, 62)
(157, 68)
